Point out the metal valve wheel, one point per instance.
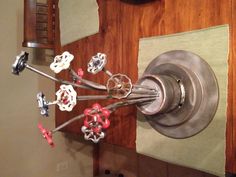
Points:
(66, 98)
(96, 120)
(119, 86)
(61, 62)
(19, 64)
(97, 63)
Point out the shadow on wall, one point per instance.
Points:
(71, 147)
(43, 57)
(230, 175)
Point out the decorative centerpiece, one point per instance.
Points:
(96, 119)
(178, 94)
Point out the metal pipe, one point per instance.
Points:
(111, 107)
(88, 83)
(107, 72)
(41, 73)
(93, 97)
(103, 97)
(53, 78)
(142, 91)
(144, 87)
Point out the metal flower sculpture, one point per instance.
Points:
(96, 120)
(164, 94)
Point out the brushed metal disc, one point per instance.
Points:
(168, 94)
(201, 94)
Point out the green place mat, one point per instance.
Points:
(206, 150)
(78, 19)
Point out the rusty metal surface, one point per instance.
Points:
(201, 94)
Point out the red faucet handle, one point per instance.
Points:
(87, 111)
(46, 134)
(96, 120)
(80, 73)
(105, 112)
(99, 118)
(97, 107)
(102, 111)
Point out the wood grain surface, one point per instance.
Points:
(121, 26)
(231, 125)
(119, 160)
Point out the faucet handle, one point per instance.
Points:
(96, 120)
(42, 104)
(20, 63)
(97, 63)
(119, 86)
(61, 62)
(80, 73)
(90, 134)
(66, 98)
(46, 134)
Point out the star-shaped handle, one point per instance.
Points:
(96, 120)
(46, 134)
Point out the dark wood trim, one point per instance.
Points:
(230, 175)
(37, 45)
(39, 27)
(231, 125)
(95, 159)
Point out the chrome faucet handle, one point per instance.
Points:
(97, 63)
(89, 134)
(20, 63)
(42, 104)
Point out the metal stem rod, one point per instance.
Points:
(104, 97)
(93, 97)
(91, 84)
(142, 91)
(67, 123)
(136, 96)
(139, 89)
(111, 107)
(41, 73)
(53, 78)
(103, 87)
(117, 105)
(107, 72)
(75, 85)
(52, 103)
(144, 87)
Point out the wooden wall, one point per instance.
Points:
(121, 26)
(127, 162)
